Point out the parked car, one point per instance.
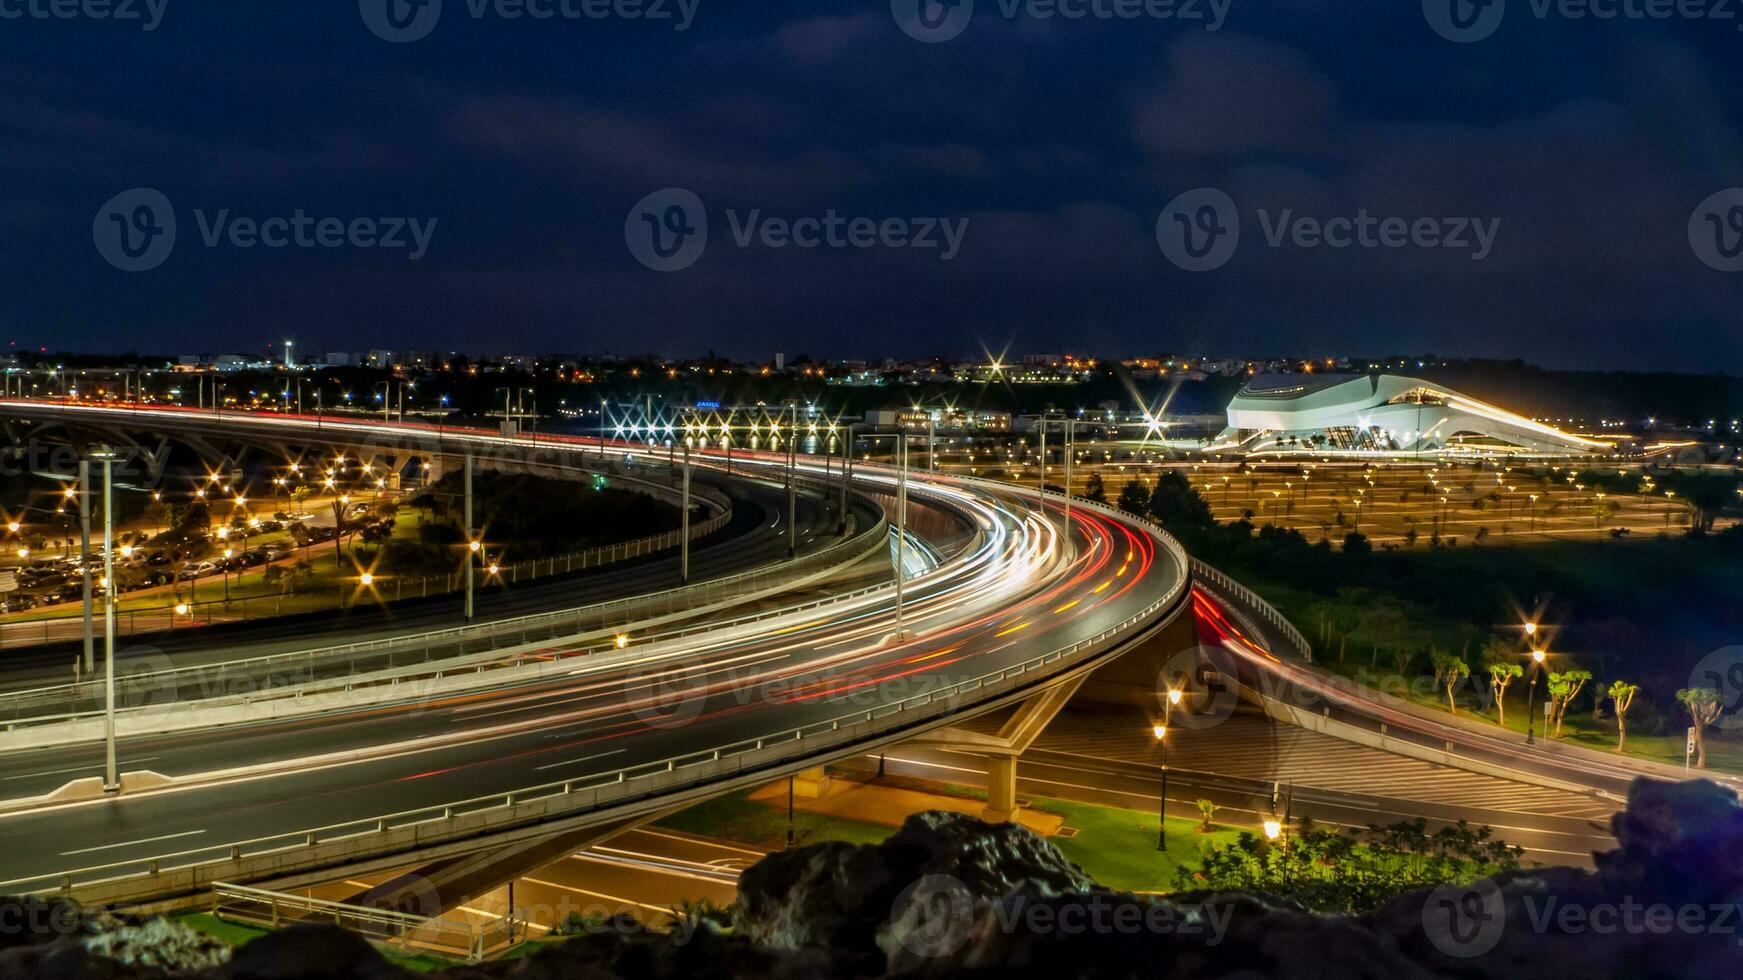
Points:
(196, 569)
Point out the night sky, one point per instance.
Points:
(1593, 143)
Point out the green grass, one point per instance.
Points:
(1117, 847)
(737, 817)
(1614, 562)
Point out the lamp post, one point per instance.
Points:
(111, 778)
(1537, 654)
(684, 530)
(90, 661)
(472, 545)
(228, 554)
(1161, 733)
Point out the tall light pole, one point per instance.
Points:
(846, 477)
(1531, 689)
(111, 779)
(793, 485)
(1068, 453)
(1043, 461)
(684, 530)
(1161, 732)
(472, 545)
(90, 661)
(901, 525)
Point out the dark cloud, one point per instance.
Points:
(1059, 141)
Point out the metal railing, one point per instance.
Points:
(1255, 603)
(206, 612)
(294, 670)
(400, 684)
(473, 940)
(781, 748)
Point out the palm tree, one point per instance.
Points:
(1563, 688)
(1622, 694)
(1503, 667)
(1705, 706)
(1449, 669)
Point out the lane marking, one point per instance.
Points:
(585, 758)
(61, 772)
(132, 843)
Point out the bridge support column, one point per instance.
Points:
(1001, 789)
(442, 885)
(441, 466)
(811, 784)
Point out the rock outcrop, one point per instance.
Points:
(948, 895)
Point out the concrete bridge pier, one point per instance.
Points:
(811, 784)
(443, 885)
(1002, 749)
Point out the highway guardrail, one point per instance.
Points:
(782, 749)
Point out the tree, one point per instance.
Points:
(1134, 498)
(1095, 490)
(1499, 661)
(1176, 505)
(1706, 494)
(1705, 705)
(1563, 688)
(1621, 694)
(1356, 543)
(1449, 669)
(1206, 810)
(1345, 871)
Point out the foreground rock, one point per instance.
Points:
(948, 895)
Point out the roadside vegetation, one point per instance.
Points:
(1625, 626)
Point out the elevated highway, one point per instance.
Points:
(510, 769)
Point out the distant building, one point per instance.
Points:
(1378, 413)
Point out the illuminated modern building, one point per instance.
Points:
(1379, 413)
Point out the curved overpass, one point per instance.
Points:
(756, 534)
(1030, 605)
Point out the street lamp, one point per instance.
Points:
(1537, 654)
(1161, 733)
